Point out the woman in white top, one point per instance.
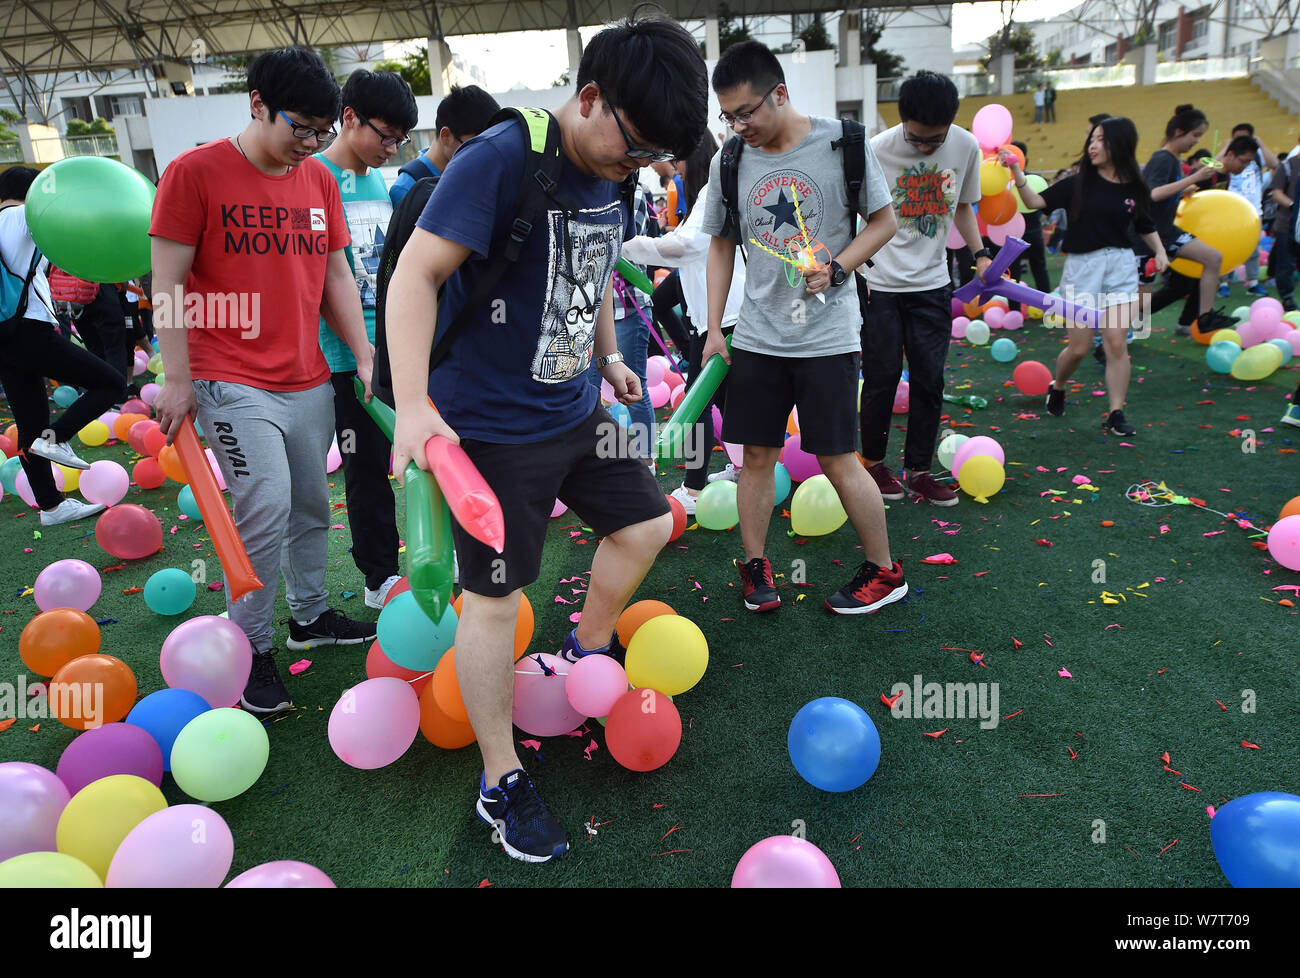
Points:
(31, 349)
(687, 248)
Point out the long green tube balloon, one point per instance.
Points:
(429, 562)
(634, 277)
(672, 436)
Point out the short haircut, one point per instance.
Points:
(749, 62)
(1244, 127)
(1243, 146)
(928, 99)
(16, 181)
(297, 80)
(1099, 117)
(383, 95)
(466, 111)
(650, 67)
(1022, 147)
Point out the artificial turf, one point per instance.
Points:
(1198, 624)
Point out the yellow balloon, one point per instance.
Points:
(994, 178)
(816, 509)
(155, 364)
(1231, 335)
(668, 653)
(71, 478)
(94, 434)
(47, 870)
(981, 476)
(1257, 362)
(100, 816)
(1223, 220)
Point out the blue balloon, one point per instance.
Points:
(1004, 350)
(409, 638)
(163, 714)
(621, 414)
(1284, 346)
(782, 478)
(64, 396)
(9, 472)
(833, 744)
(1256, 840)
(1219, 356)
(188, 504)
(169, 591)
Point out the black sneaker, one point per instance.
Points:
(571, 651)
(265, 692)
(1116, 425)
(1209, 323)
(870, 590)
(1099, 353)
(760, 586)
(330, 628)
(1055, 402)
(520, 821)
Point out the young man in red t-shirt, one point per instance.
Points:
(248, 248)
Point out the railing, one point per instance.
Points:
(1203, 69)
(97, 145)
(887, 89)
(967, 84)
(11, 152)
(1096, 76)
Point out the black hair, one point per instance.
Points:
(928, 99)
(297, 80)
(1250, 130)
(1099, 117)
(1197, 154)
(1121, 138)
(1185, 119)
(650, 67)
(16, 181)
(747, 62)
(1243, 146)
(1024, 150)
(383, 95)
(697, 169)
(466, 111)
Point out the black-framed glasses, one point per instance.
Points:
(935, 141)
(322, 136)
(639, 152)
(729, 120)
(384, 138)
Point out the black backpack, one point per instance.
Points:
(539, 180)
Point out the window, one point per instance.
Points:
(1168, 35)
(1112, 53)
(1200, 25)
(126, 105)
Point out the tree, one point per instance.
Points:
(815, 36)
(1020, 42)
(562, 81)
(729, 30)
(414, 68)
(871, 26)
(80, 127)
(7, 135)
(1055, 58)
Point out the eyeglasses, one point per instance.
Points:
(929, 141)
(729, 120)
(322, 136)
(384, 138)
(638, 152)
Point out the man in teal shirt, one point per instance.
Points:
(378, 111)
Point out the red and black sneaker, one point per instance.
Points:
(870, 590)
(760, 588)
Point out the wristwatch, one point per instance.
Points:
(838, 274)
(603, 362)
(982, 253)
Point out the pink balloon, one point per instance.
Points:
(67, 584)
(108, 417)
(659, 395)
(799, 463)
(105, 482)
(149, 393)
(1278, 331)
(114, 748)
(141, 363)
(717, 423)
(959, 327)
(221, 479)
(979, 445)
(594, 685)
(660, 359)
(541, 706)
(210, 656)
(284, 874)
(374, 723)
(31, 801)
(1014, 228)
(23, 487)
(184, 846)
(736, 454)
(558, 509)
(1294, 339)
(1251, 333)
(333, 458)
(992, 126)
(902, 397)
(955, 242)
(1266, 312)
(1284, 542)
(784, 861)
(994, 316)
(137, 406)
(654, 372)
(1013, 320)
(607, 392)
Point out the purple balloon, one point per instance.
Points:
(784, 861)
(375, 722)
(958, 308)
(31, 801)
(114, 748)
(181, 846)
(210, 656)
(284, 874)
(67, 584)
(799, 463)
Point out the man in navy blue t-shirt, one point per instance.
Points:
(513, 389)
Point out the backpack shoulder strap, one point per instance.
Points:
(729, 174)
(853, 157)
(417, 168)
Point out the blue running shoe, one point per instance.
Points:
(521, 822)
(571, 651)
(1292, 416)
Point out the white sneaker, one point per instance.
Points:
(69, 510)
(683, 496)
(455, 568)
(730, 473)
(55, 452)
(376, 599)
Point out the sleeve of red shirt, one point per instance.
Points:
(178, 209)
(339, 237)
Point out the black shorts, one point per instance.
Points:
(762, 389)
(591, 468)
(1172, 248)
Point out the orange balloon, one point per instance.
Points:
(12, 433)
(148, 474)
(1201, 338)
(92, 690)
(446, 687)
(999, 208)
(636, 615)
(438, 728)
(792, 426)
(972, 309)
(1009, 148)
(524, 623)
(1290, 509)
(378, 664)
(54, 638)
(170, 462)
(670, 204)
(122, 426)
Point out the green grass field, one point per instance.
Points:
(1198, 624)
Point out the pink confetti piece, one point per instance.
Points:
(1213, 533)
(1210, 810)
(1164, 528)
(216, 586)
(1061, 468)
(577, 733)
(302, 665)
(1127, 444)
(1081, 480)
(531, 744)
(560, 600)
(173, 530)
(1109, 627)
(1043, 468)
(575, 617)
(1064, 673)
(337, 526)
(943, 558)
(593, 746)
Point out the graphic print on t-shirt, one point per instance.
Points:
(770, 208)
(923, 197)
(367, 220)
(261, 230)
(576, 279)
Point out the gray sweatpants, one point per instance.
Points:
(271, 447)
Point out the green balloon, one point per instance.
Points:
(65, 396)
(1241, 313)
(47, 870)
(220, 754)
(948, 448)
(90, 216)
(715, 509)
(169, 591)
(155, 364)
(9, 472)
